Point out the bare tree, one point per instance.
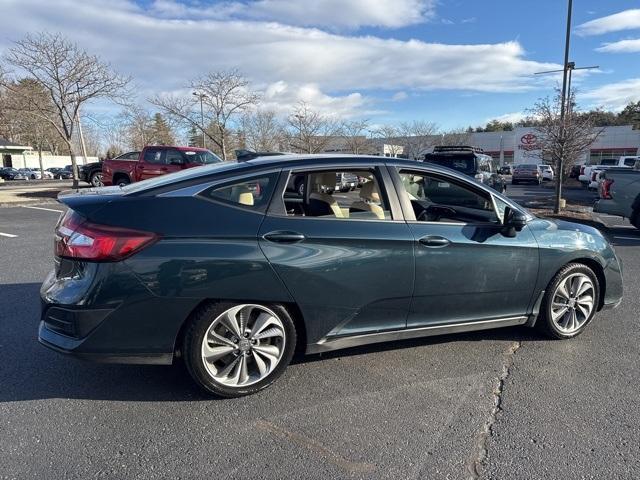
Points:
(21, 125)
(455, 137)
(569, 141)
(356, 136)
(262, 131)
(393, 144)
(71, 78)
(309, 131)
(218, 99)
(418, 137)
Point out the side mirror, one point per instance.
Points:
(514, 221)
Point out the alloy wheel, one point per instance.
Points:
(243, 345)
(96, 180)
(573, 303)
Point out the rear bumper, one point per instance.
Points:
(69, 346)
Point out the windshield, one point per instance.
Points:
(203, 158)
(462, 163)
(527, 166)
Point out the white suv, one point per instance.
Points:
(547, 172)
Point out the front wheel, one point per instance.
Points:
(570, 302)
(232, 350)
(96, 179)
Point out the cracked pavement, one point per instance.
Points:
(458, 406)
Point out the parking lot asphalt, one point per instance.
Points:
(496, 404)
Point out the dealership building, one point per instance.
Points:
(520, 145)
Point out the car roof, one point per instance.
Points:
(175, 147)
(294, 161)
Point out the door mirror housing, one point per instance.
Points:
(514, 221)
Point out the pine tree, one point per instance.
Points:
(162, 133)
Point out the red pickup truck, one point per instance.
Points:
(153, 161)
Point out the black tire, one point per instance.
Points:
(300, 188)
(96, 179)
(544, 322)
(122, 181)
(199, 323)
(635, 219)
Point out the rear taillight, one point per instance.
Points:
(582, 170)
(605, 189)
(594, 176)
(77, 238)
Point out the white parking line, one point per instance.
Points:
(8, 235)
(46, 209)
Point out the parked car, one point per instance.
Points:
(468, 160)
(546, 171)
(223, 268)
(505, 170)
(586, 176)
(9, 173)
(91, 173)
(36, 174)
(526, 173)
(620, 194)
(598, 173)
(575, 171)
(153, 161)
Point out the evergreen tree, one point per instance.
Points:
(162, 132)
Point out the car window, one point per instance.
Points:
(154, 155)
(174, 157)
(338, 194)
(436, 198)
(252, 193)
(629, 162)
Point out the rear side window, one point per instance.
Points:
(154, 155)
(252, 193)
(629, 162)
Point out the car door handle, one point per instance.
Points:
(284, 237)
(433, 241)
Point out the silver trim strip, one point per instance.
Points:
(329, 344)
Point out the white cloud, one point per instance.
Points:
(622, 46)
(399, 96)
(615, 96)
(325, 13)
(512, 117)
(625, 20)
(282, 98)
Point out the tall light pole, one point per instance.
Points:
(563, 99)
(201, 96)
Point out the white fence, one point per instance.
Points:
(30, 160)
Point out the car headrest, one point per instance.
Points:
(369, 192)
(325, 179)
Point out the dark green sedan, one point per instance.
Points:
(233, 269)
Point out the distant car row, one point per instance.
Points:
(10, 173)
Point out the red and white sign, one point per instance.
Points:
(527, 147)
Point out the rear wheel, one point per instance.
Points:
(122, 181)
(570, 302)
(233, 350)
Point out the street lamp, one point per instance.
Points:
(201, 96)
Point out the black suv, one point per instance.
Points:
(471, 161)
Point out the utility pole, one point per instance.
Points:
(82, 144)
(563, 99)
(201, 96)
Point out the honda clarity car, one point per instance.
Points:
(227, 269)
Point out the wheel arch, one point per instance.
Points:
(291, 307)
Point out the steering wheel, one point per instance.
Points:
(433, 213)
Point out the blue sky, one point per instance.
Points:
(456, 63)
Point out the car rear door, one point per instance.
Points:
(350, 272)
(466, 270)
(158, 161)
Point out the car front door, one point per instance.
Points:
(466, 269)
(346, 258)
